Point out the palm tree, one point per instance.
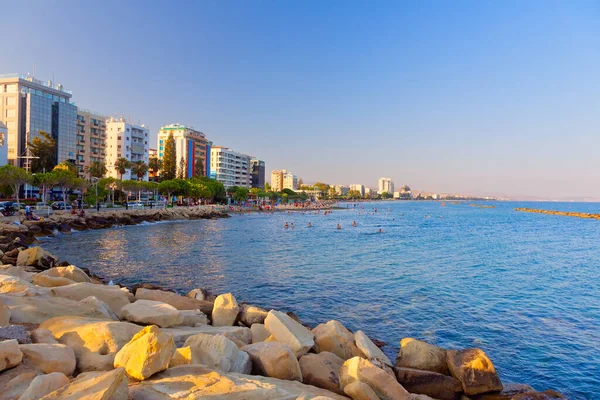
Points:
(154, 165)
(121, 165)
(96, 169)
(139, 168)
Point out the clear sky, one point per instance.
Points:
(482, 97)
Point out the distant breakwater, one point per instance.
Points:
(563, 213)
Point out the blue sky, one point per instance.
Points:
(490, 98)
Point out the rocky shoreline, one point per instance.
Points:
(64, 334)
(563, 213)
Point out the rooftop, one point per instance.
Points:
(29, 78)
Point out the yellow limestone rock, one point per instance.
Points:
(421, 355)
(360, 391)
(225, 310)
(218, 352)
(369, 349)
(383, 384)
(259, 333)
(43, 384)
(45, 280)
(70, 272)
(10, 354)
(275, 360)
(94, 341)
(322, 370)
(148, 352)
(335, 338)
(152, 313)
(474, 370)
(50, 358)
(182, 356)
(111, 385)
(113, 296)
(289, 332)
(36, 257)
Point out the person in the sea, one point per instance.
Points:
(380, 230)
(310, 224)
(292, 225)
(286, 225)
(339, 226)
(354, 224)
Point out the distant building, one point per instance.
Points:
(359, 188)
(125, 140)
(386, 185)
(28, 106)
(404, 193)
(152, 153)
(91, 139)
(190, 144)
(3, 144)
(282, 179)
(258, 173)
(229, 167)
(341, 190)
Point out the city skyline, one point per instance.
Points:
(494, 99)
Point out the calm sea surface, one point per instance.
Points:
(523, 287)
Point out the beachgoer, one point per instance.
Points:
(286, 225)
(292, 225)
(310, 224)
(27, 212)
(354, 224)
(339, 226)
(380, 230)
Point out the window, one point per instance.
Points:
(11, 125)
(11, 113)
(119, 146)
(11, 101)
(119, 138)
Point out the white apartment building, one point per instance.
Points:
(341, 190)
(282, 179)
(290, 181)
(3, 144)
(230, 168)
(386, 185)
(125, 140)
(91, 139)
(359, 188)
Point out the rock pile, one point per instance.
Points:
(65, 335)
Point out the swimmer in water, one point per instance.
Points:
(380, 230)
(292, 225)
(339, 226)
(286, 225)
(310, 224)
(354, 224)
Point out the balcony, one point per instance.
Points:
(81, 142)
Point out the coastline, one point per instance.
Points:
(16, 238)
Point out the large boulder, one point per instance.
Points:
(322, 370)
(218, 352)
(369, 349)
(150, 312)
(182, 356)
(43, 384)
(250, 315)
(421, 355)
(225, 310)
(42, 336)
(360, 391)
(16, 384)
(509, 391)
(100, 306)
(177, 301)
(10, 354)
(50, 358)
(474, 370)
(289, 332)
(15, 286)
(235, 333)
(44, 280)
(196, 382)
(94, 385)
(275, 360)
(36, 257)
(385, 386)
(335, 338)
(70, 272)
(202, 294)
(259, 333)
(430, 383)
(94, 341)
(148, 352)
(193, 318)
(113, 296)
(37, 309)
(24, 273)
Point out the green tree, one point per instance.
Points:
(109, 184)
(386, 195)
(181, 173)
(65, 180)
(267, 187)
(121, 166)
(154, 165)
(288, 192)
(354, 194)
(43, 147)
(321, 187)
(66, 166)
(96, 169)
(14, 177)
(45, 181)
(300, 182)
(241, 194)
(169, 188)
(139, 168)
(169, 161)
(199, 168)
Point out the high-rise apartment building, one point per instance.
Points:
(91, 139)
(229, 167)
(341, 190)
(190, 144)
(28, 106)
(386, 185)
(125, 140)
(282, 179)
(258, 173)
(359, 188)
(3, 145)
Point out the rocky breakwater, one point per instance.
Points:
(65, 335)
(563, 213)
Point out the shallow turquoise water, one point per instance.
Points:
(523, 287)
